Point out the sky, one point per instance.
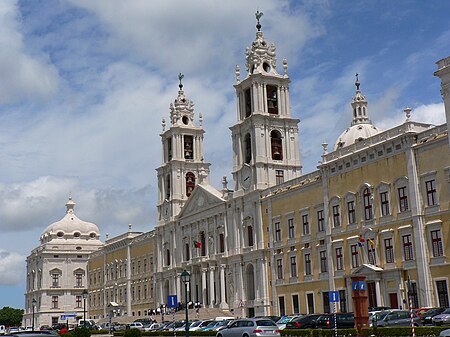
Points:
(84, 85)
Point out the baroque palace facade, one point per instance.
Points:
(378, 206)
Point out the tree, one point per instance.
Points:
(10, 316)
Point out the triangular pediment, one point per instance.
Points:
(366, 269)
(203, 197)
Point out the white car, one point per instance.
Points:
(153, 326)
(445, 333)
(136, 325)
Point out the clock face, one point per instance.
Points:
(246, 176)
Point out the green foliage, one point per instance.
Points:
(78, 332)
(10, 316)
(99, 332)
(132, 333)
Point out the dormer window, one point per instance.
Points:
(76, 234)
(272, 99)
(60, 234)
(188, 147)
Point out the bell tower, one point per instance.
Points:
(265, 137)
(182, 166)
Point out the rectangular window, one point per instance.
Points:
(413, 295)
(384, 203)
(320, 221)
(305, 224)
(55, 280)
(326, 302)
(310, 301)
(307, 264)
(291, 228)
(355, 256)
(351, 212)
(436, 243)
(323, 261)
(293, 266)
(339, 259)
(336, 216)
(281, 305)
(277, 228)
(389, 251)
(407, 247)
(441, 287)
(78, 301)
(295, 304)
(403, 199)
(79, 280)
(343, 300)
(367, 199)
(279, 269)
(430, 186)
(54, 302)
(279, 177)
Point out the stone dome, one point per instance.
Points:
(70, 227)
(361, 126)
(354, 134)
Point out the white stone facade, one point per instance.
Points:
(56, 270)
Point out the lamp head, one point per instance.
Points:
(84, 293)
(185, 277)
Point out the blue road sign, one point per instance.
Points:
(334, 296)
(359, 285)
(172, 301)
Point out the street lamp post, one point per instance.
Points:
(185, 277)
(85, 295)
(33, 304)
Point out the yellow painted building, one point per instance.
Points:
(120, 276)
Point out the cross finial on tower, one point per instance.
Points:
(258, 15)
(357, 82)
(180, 77)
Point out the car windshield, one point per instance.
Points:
(380, 315)
(284, 320)
(265, 322)
(194, 324)
(446, 311)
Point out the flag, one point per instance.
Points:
(371, 242)
(361, 239)
(197, 244)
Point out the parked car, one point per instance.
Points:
(395, 318)
(273, 318)
(285, 319)
(445, 333)
(428, 316)
(303, 322)
(250, 327)
(421, 311)
(217, 325)
(152, 327)
(199, 325)
(343, 320)
(443, 318)
(136, 325)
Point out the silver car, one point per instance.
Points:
(395, 318)
(250, 327)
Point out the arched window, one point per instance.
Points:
(250, 236)
(188, 147)
(367, 198)
(221, 242)
(359, 111)
(167, 257)
(277, 145)
(247, 148)
(354, 112)
(168, 187)
(203, 243)
(248, 102)
(190, 183)
(187, 256)
(272, 99)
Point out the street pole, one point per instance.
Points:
(85, 295)
(33, 304)
(185, 277)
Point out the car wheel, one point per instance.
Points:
(245, 335)
(219, 335)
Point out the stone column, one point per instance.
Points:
(223, 303)
(203, 287)
(212, 294)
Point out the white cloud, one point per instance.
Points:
(22, 74)
(12, 268)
